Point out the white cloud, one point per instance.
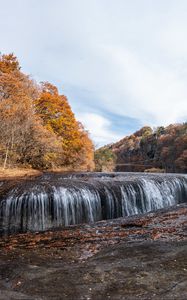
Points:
(131, 55)
(99, 128)
(150, 92)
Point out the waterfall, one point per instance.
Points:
(54, 201)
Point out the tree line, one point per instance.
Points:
(37, 126)
(162, 149)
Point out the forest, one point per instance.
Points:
(162, 149)
(37, 126)
(39, 130)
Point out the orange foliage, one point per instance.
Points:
(56, 113)
(38, 127)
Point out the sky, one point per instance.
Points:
(121, 63)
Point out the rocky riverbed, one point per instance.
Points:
(140, 257)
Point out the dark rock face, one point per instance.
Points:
(54, 201)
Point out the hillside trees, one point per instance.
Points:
(37, 126)
(104, 160)
(162, 149)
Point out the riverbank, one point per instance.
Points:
(16, 173)
(142, 257)
(24, 173)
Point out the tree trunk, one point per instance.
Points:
(6, 157)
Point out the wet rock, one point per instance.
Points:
(140, 257)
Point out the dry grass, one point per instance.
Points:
(24, 173)
(18, 173)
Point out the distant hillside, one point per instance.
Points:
(163, 149)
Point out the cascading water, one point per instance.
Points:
(52, 200)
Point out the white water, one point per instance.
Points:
(47, 203)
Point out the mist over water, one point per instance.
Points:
(58, 200)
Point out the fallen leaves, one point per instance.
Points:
(91, 238)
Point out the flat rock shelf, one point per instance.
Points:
(127, 258)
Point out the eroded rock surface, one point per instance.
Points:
(127, 258)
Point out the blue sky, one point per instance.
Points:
(121, 63)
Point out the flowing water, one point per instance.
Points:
(52, 200)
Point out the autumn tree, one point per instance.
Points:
(104, 160)
(181, 161)
(19, 124)
(16, 91)
(38, 127)
(58, 118)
